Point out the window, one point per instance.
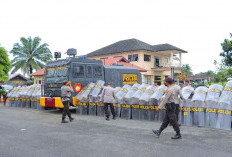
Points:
(165, 60)
(157, 78)
(89, 72)
(78, 70)
(147, 58)
(156, 62)
(133, 57)
(147, 79)
(40, 82)
(98, 71)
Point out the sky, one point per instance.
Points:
(198, 26)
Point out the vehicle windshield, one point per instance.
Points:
(62, 71)
(50, 72)
(56, 79)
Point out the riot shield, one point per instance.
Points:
(10, 97)
(125, 111)
(186, 103)
(100, 106)
(128, 96)
(83, 102)
(135, 101)
(16, 94)
(93, 97)
(212, 98)
(198, 106)
(224, 108)
(155, 99)
(20, 98)
(117, 105)
(144, 101)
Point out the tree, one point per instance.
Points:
(187, 69)
(4, 64)
(227, 51)
(30, 55)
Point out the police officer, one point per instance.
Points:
(5, 98)
(170, 116)
(181, 84)
(108, 98)
(66, 90)
(177, 97)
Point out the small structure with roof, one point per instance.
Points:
(38, 76)
(16, 80)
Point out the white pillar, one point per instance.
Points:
(180, 56)
(171, 59)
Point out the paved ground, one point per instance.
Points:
(33, 133)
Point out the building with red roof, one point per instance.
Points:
(121, 61)
(38, 76)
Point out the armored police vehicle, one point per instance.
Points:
(81, 71)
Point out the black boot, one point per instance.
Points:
(177, 136)
(64, 121)
(156, 132)
(107, 119)
(71, 119)
(114, 118)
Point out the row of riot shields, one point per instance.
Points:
(27, 97)
(198, 107)
(207, 106)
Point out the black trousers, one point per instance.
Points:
(177, 111)
(66, 110)
(170, 117)
(4, 99)
(111, 108)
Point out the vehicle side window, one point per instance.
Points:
(98, 71)
(89, 72)
(78, 70)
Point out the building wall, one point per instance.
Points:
(145, 64)
(17, 81)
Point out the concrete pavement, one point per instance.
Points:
(31, 133)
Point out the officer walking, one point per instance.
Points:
(108, 98)
(177, 97)
(66, 90)
(170, 116)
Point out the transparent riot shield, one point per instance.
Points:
(93, 97)
(135, 101)
(198, 106)
(14, 91)
(10, 97)
(83, 102)
(155, 99)
(16, 95)
(128, 96)
(186, 103)
(117, 105)
(212, 98)
(20, 98)
(125, 110)
(100, 106)
(144, 101)
(224, 108)
(33, 97)
(38, 95)
(24, 96)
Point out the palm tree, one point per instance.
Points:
(187, 69)
(30, 55)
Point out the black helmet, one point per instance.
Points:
(64, 82)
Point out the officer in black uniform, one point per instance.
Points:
(170, 116)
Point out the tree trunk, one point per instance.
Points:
(30, 68)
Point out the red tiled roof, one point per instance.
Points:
(38, 73)
(123, 61)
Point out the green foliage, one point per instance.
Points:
(2, 92)
(30, 55)
(4, 64)
(187, 70)
(227, 52)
